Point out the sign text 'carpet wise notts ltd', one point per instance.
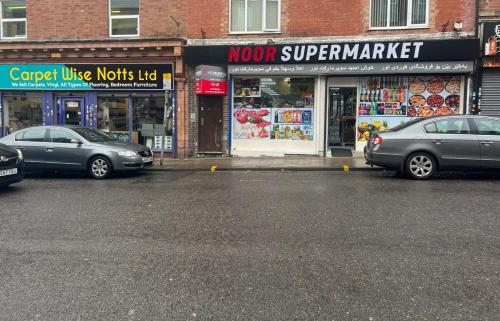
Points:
(86, 76)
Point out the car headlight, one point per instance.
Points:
(127, 153)
(20, 154)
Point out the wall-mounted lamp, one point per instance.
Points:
(458, 25)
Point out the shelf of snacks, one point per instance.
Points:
(292, 124)
(434, 96)
(383, 96)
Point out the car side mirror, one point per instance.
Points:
(76, 141)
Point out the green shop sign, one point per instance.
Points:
(86, 77)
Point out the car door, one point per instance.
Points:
(488, 133)
(453, 142)
(32, 143)
(62, 150)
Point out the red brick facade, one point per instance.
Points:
(301, 18)
(89, 19)
(489, 9)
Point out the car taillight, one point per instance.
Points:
(377, 140)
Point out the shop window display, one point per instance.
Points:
(388, 101)
(273, 109)
(112, 116)
(147, 120)
(22, 111)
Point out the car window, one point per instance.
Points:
(60, 136)
(93, 135)
(488, 126)
(406, 125)
(448, 126)
(36, 134)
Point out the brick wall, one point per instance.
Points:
(88, 19)
(489, 9)
(301, 18)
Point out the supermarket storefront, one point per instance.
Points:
(307, 98)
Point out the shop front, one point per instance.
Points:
(309, 99)
(132, 102)
(490, 89)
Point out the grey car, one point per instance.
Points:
(77, 148)
(423, 146)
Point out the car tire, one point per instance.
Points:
(100, 167)
(420, 166)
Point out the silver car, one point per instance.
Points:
(77, 148)
(423, 146)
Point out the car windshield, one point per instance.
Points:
(406, 125)
(93, 135)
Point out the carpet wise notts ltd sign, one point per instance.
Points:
(86, 77)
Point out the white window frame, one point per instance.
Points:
(264, 28)
(111, 18)
(409, 10)
(2, 20)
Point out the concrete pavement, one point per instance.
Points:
(289, 163)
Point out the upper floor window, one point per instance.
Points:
(124, 18)
(13, 19)
(255, 15)
(399, 13)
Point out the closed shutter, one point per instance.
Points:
(490, 93)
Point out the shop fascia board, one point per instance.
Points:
(97, 44)
(306, 40)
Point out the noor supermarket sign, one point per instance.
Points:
(387, 51)
(86, 76)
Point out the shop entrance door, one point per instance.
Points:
(72, 111)
(210, 124)
(342, 117)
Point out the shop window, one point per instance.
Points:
(147, 121)
(22, 111)
(124, 18)
(255, 15)
(273, 108)
(13, 19)
(399, 13)
(112, 116)
(488, 126)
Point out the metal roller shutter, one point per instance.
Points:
(490, 93)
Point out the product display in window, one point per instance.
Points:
(273, 108)
(383, 96)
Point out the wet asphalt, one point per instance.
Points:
(251, 246)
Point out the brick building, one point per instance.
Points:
(305, 77)
(125, 38)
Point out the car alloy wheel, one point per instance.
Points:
(100, 167)
(420, 166)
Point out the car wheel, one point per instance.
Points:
(100, 167)
(420, 166)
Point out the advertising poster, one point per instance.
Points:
(367, 124)
(251, 123)
(386, 102)
(292, 124)
(434, 96)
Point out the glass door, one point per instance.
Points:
(342, 117)
(72, 111)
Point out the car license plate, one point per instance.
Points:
(8, 172)
(147, 159)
